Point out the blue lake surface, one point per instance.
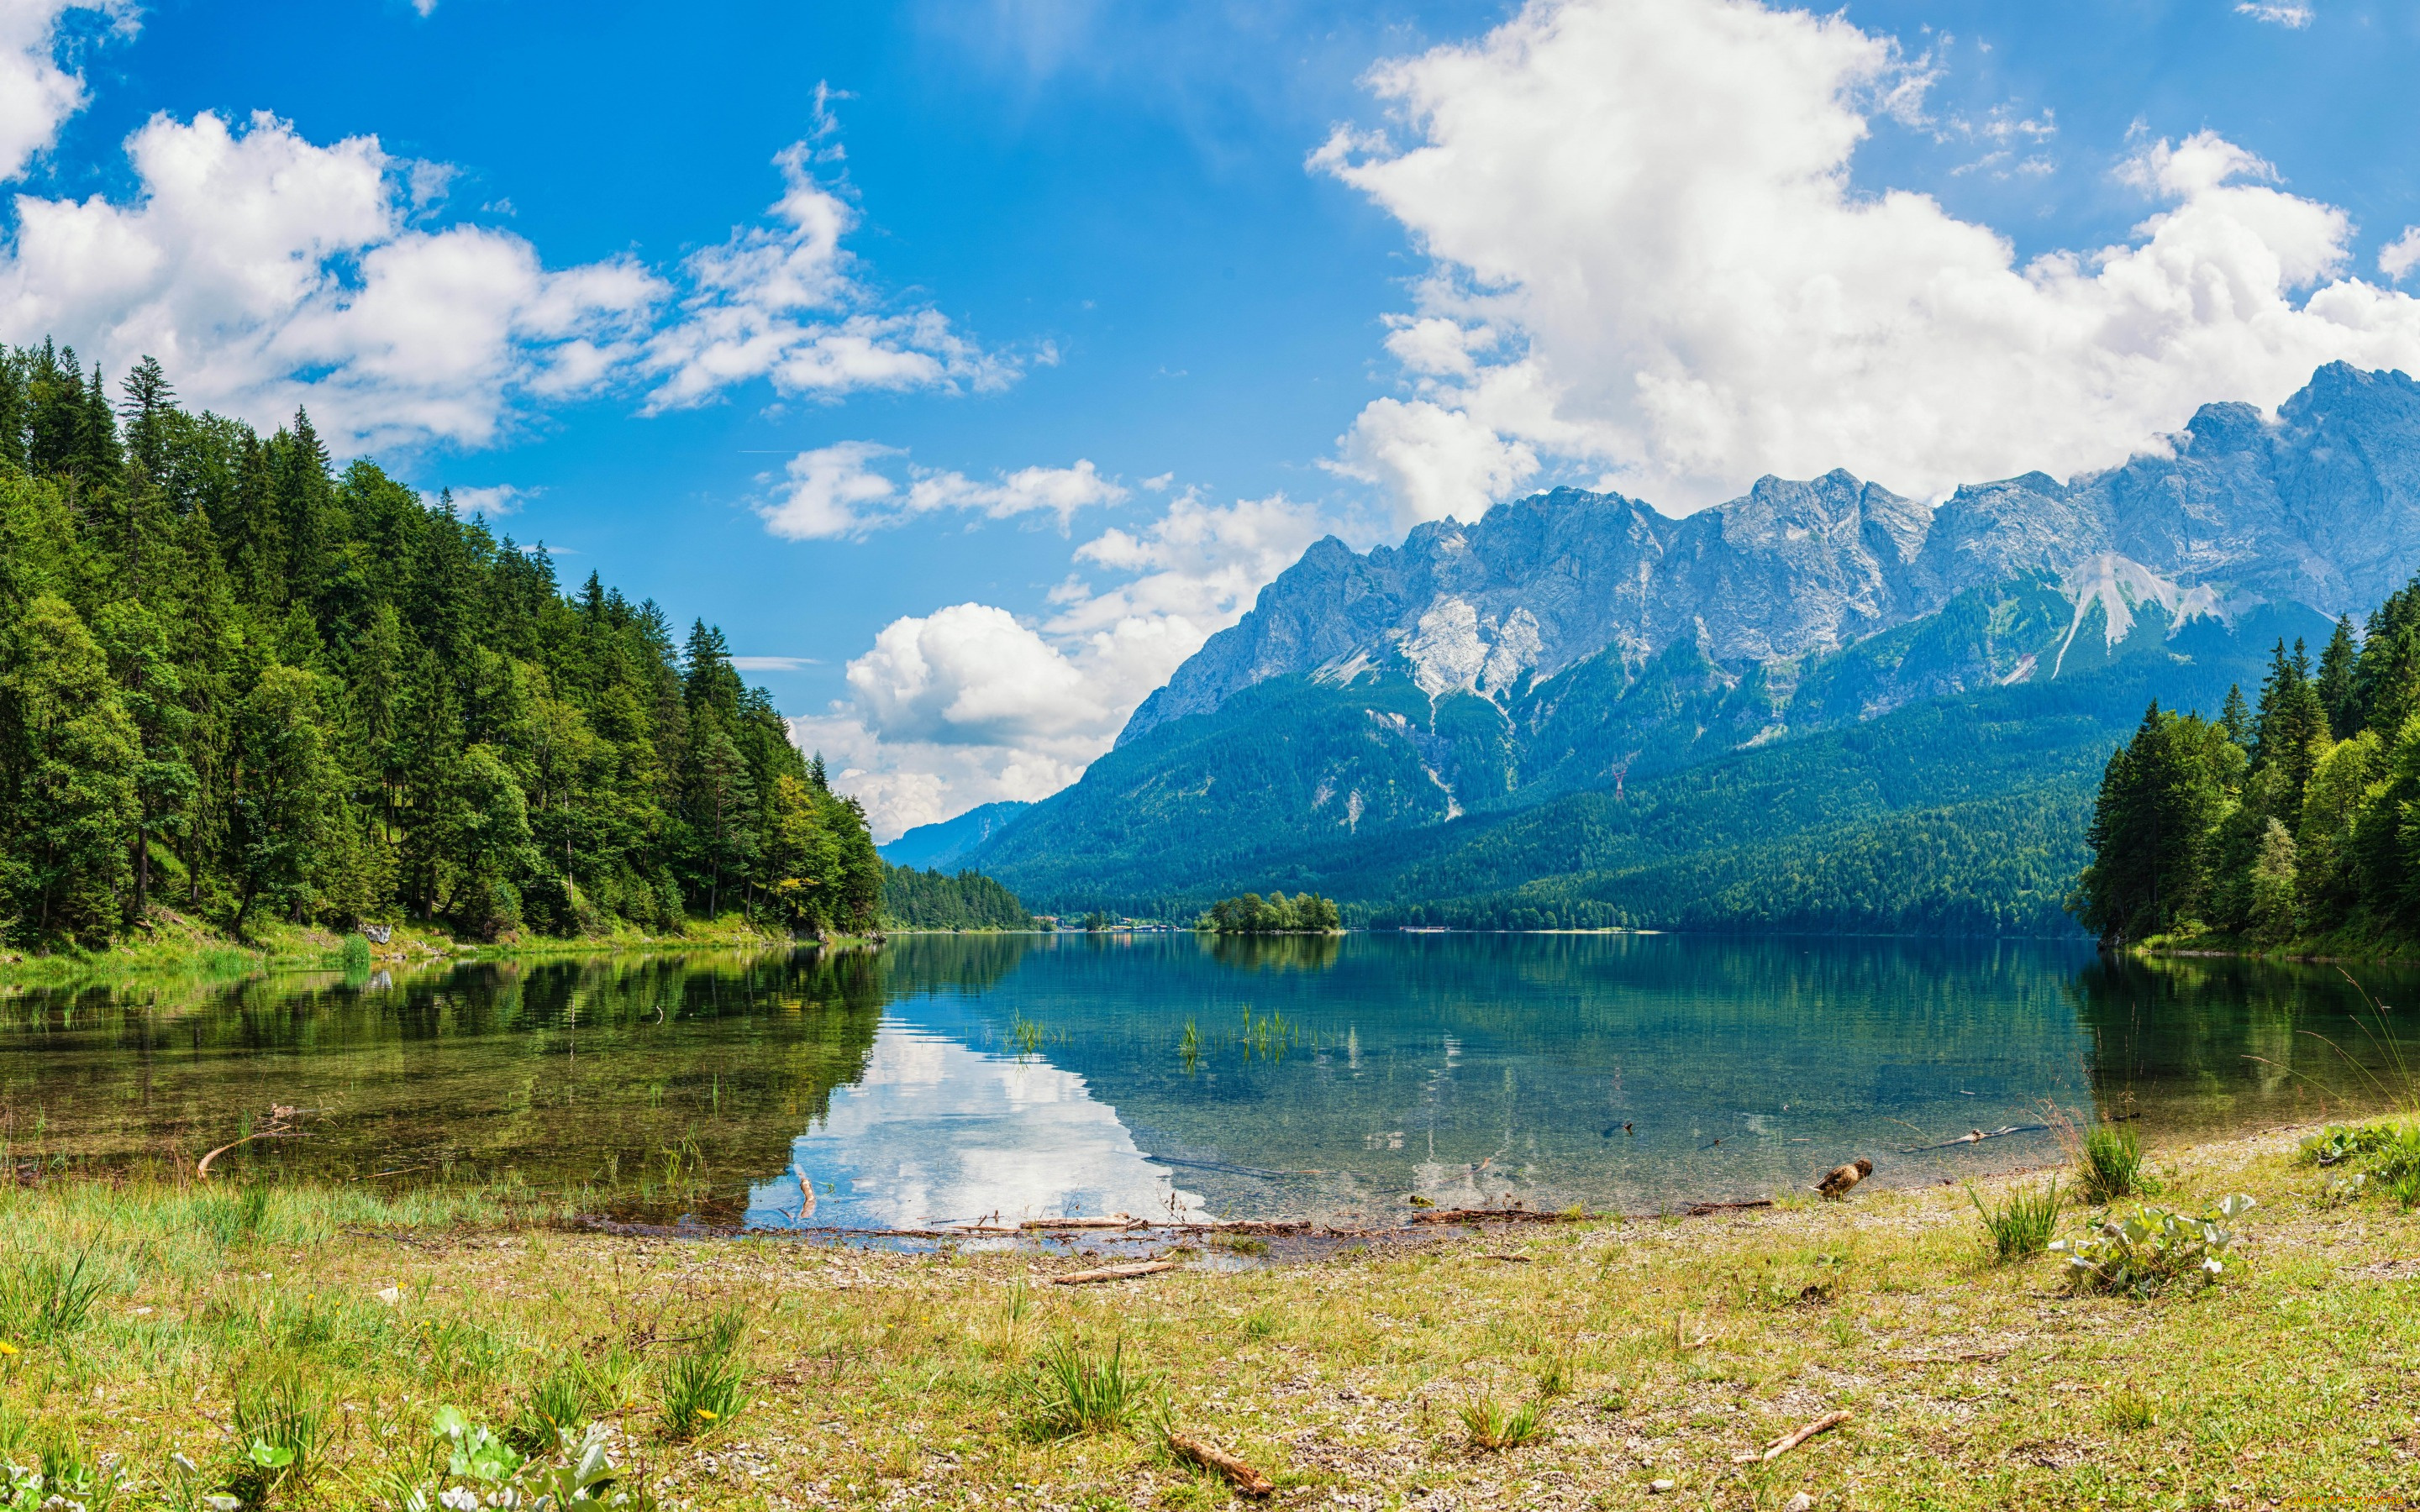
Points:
(950, 1079)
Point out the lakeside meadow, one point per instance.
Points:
(302, 1345)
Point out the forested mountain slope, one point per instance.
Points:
(1376, 712)
(237, 684)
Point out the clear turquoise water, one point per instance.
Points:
(944, 1079)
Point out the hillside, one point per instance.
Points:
(1894, 713)
(938, 845)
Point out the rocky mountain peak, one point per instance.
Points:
(2319, 506)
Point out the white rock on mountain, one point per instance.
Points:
(2319, 506)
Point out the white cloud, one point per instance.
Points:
(36, 93)
(1644, 208)
(2291, 17)
(2398, 256)
(494, 502)
(970, 705)
(775, 664)
(782, 301)
(840, 490)
(268, 271)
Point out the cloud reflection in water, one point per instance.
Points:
(934, 1133)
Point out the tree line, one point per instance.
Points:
(2295, 818)
(931, 899)
(240, 685)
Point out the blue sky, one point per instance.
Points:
(1665, 245)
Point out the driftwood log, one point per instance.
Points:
(1113, 1272)
(1494, 1215)
(1120, 1221)
(1210, 1456)
(281, 1126)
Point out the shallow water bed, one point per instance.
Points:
(948, 1081)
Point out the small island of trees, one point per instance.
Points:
(1305, 913)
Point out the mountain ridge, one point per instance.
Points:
(2238, 507)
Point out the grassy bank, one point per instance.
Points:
(178, 947)
(333, 1327)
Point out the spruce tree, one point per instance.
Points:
(2335, 685)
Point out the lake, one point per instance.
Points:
(943, 1079)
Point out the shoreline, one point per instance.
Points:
(1364, 1375)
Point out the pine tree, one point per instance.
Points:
(2235, 717)
(2289, 724)
(2334, 687)
(285, 797)
(72, 757)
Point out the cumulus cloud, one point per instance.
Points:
(1641, 213)
(969, 703)
(37, 93)
(494, 502)
(782, 301)
(267, 271)
(2398, 256)
(843, 489)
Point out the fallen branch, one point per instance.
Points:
(1495, 1216)
(280, 1127)
(1701, 1210)
(1210, 1456)
(1792, 1439)
(1113, 1272)
(1120, 1221)
(1975, 1136)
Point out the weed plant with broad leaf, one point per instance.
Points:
(2153, 1250)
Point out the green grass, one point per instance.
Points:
(336, 1323)
(2110, 1166)
(2019, 1225)
(1075, 1388)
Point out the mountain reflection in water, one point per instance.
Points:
(945, 1078)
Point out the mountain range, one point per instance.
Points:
(1578, 710)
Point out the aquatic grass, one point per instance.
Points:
(2020, 1226)
(1076, 1389)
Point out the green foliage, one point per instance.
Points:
(2130, 1409)
(2109, 1164)
(2293, 821)
(927, 900)
(483, 1468)
(2153, 1249)
(2020, 1226)
(1304, 914)
(48, 1297)
(240, 685)
(2382, 1157)
(281, 1430)
(1491, 1426)
(705, 1386)
(1074, 1388)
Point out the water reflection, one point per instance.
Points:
(947, 1077)
(934, 1133)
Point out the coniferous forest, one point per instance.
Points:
(238, 686)
(2295, 819)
